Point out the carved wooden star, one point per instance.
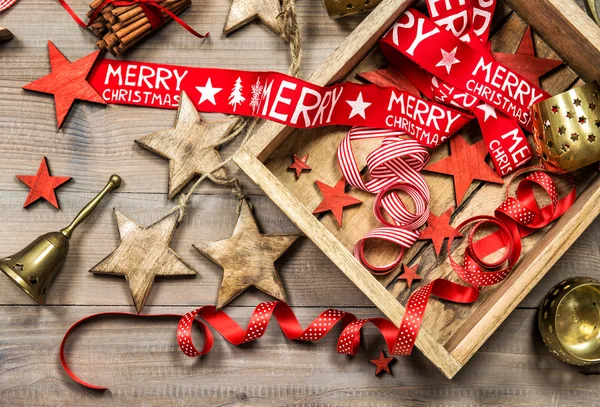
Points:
(410, 274)
(525, 62)
(143, 254)
(42, 185)
(247, 259)
(244, 11)
(190, 146)
(299, 165)
(465, 163)
(382, 363)
(335, 199)
(67, 82)
(438, 228)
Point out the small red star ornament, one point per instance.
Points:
(410, 274)
(299, 165)
(335, 199)
(525, 62)
(382, 363)
(42, 185)
(438, 228)
(67, 82)
(465, 163)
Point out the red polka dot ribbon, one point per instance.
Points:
(394, 166)
(515, 218)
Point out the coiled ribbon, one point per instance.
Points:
(394, 166)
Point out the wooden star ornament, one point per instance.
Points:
(67, 82)
(382, 363)
(144, 254)
(299, 165)
(247, 259)
(244, 11)
(190, 146)
(42, 185)
(438, 228)
(465, 163)
(335, 199)
(525, 62)
(410, 274)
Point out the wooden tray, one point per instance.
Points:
(451, 333)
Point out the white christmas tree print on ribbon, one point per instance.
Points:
(236, 98)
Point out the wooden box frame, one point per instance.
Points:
(576, 40)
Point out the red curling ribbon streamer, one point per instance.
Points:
(394, 166)
(515, 218)
(151, 9)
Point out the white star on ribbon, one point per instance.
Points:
(207, 92)
(358, 106)
(448, 59)
(488, 111)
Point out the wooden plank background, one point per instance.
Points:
(140, 361)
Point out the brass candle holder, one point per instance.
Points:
(342, 8)
(566, 129)
(569, 321)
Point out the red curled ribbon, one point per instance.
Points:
(151, 9)
(515, 218)
(395, 165)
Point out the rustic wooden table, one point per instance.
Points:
(140, 362)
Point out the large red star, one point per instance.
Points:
(299, 165)
(410, 274)
(382, 363)
(67, 82)
(438, 228)
(465, 163)
(42, 185)
(525, 62)
(335, 199)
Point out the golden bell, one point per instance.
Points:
(569, 321)
(34, 267)
(342, 8)
(566, 129)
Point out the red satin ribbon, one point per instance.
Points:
(151, 9)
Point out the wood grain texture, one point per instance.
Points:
(42, 185)
(248, 259)
(244, 11)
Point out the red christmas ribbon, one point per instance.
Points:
(151, 9)
(395, 165)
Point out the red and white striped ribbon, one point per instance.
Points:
(6, 4)
(393, 166)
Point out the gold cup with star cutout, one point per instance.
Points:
(342, 8)
(566, 129)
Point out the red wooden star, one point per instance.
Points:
(67, 82)
(525, 62)
(382, 363)
(410, 274)
(390, 77)
(335, 199)
(42, 185)
(465, 163)
(438, 228)
(299, 165)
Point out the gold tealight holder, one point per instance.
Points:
(566, 129)
(569, 321)
(342, 8)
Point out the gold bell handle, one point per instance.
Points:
(113, 183)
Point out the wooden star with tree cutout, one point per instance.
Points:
(465, 163)
(190, 146)
(382, 363)
(42, 185)
(410, 274)
(244, 11)
(144, 254)
(335, 199)
(438, 228)
(299, 165)
(525, 62)
(67, 82)
(248, 259)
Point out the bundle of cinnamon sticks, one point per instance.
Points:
(119, 28)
